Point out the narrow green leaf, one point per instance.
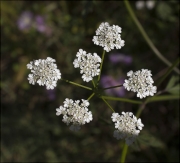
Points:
(147, 139)
(174, 90)
(168, 71)
(171, 82)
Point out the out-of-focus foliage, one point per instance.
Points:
(31, 131)
(172, 86)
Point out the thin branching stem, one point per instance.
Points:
(121, 99)
(113, 87)
(168, 71)
(79, 85)
(91, 96)
(103, 54)
(108, 104)
(124, 153)
(93, 83)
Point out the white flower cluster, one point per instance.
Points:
(128, 126)
(108, 37)
(88, 63)
(44, 72)
(140, 82)
(75, 113)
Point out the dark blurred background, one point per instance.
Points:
(30, 129)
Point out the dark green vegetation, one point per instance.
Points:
(30, 129)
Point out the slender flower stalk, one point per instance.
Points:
(124, 153)
(103, 54)
(93, 83)
(107, 104)
(79, 85)
(168, 71)
(90, 96)
(141, 108)
(107, 82)
(113, 87)
(163, 98)
(121, 99)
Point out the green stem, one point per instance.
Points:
(155, 99)
(113, 87)
(168, 71)
(79, 85)
(158, 54)
(142, 31)
(103, 54)
(121, 99)
(142, 106)
(108, 104)
(91, 96)
(93, 83)
(124, 153)
(163, 98)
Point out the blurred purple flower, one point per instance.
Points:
(40, 24)
(51, 94)
(117, 57)
(25, 20)
(109, 81)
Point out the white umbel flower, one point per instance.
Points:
(127, 125)
(108, 37)
(44, 72)
(75, 113)
(140, 82)
(88, 64)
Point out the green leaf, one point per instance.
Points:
(174, 90)
(171, 87)
(171, 82)
(164, 11)
(146, 139)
